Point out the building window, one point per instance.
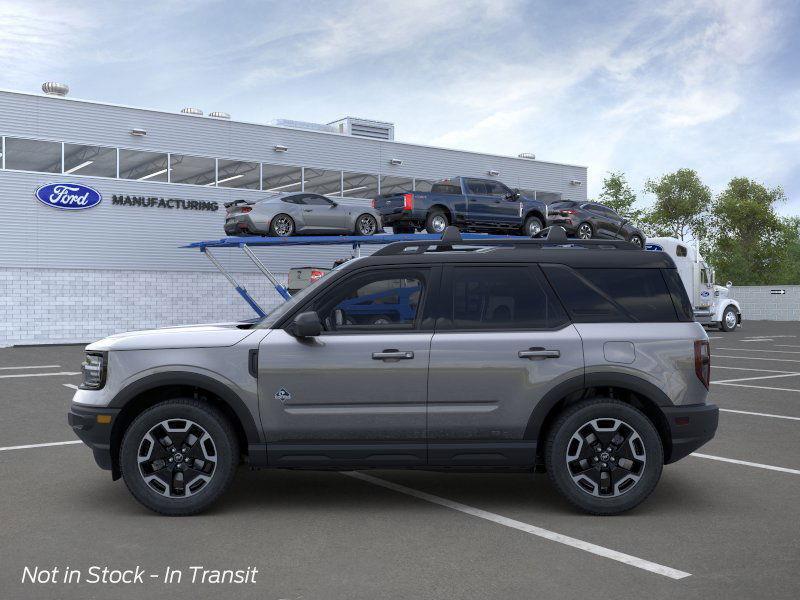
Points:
(359, 185)
(33, 155)
(280, 178)
(396, 185)
(144, 166)
(320, 181)
(97, 161)
(423, 185)
(194, 170)
(237, 174)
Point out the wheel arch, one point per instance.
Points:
(535, 212)
(149, 391)
(444, 208)
(630, 389)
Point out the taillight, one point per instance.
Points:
(408, 201)
(373, 203)
(702, 361)
(246, 209)
(315, 274)
(568, 212)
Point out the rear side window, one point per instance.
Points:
(499, 298)
(680, 299)
(446, 187)
(585, 302)
(642, 293)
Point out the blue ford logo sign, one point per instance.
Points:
(68, 196)
(705, 293)
(654, 247)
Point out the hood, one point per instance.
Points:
(215, 335)
(720, 291)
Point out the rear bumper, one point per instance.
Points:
(244, 225)
(567, 224)
(690, 427)
(83, 420)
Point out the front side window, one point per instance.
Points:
(315, 200)
(385, 301)
(476, 186)
(495, 188)
(33, 155)
(506, 298)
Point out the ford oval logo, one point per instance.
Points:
(68, 196)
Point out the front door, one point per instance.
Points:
(356, 394)
(323, 214)
(503, 341)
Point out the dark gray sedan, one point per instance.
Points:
(286, 214)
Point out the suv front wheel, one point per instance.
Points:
(604, 456)
(179, 456)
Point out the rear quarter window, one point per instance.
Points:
(680, 299)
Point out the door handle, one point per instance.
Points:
(393, 355)
(538, 354)
(308, 210)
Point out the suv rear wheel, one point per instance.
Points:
(604, 456)
(585, 231)
(179, 456)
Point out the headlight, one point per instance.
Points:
(94, 371)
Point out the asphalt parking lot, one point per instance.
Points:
(721, 524)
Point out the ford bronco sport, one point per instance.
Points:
(581, 358)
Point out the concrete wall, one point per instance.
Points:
(759, 304)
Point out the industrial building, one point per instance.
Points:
(162, 179)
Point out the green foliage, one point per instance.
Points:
(681, 205)
(618, 195)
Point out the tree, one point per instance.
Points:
(681, 205)
(751, 244)
(618, 195)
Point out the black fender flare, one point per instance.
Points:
(638, 385)
(180, 378)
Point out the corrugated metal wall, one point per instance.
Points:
(124, 237)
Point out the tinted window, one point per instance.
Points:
(317, 200)
(562, 204)
(294, 199)
(491, 297)
(585, 302)
(446, 187)
(641, 292)
(476, 186)
(680, 299)
(681, 251)
(495, 188)
(379, 301)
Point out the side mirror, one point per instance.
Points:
(306, 325)
(334, 204)
(729, 285)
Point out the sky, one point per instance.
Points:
(644, 88)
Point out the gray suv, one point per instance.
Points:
(578, 358)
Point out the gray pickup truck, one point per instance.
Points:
(520, 354)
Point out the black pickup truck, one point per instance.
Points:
(469, 203)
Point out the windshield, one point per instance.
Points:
(289, 305)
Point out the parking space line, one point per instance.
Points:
(39, 374)
(526, 528)
(71, 386)
(747, 463)
(759, 350)
(757, 414)
(758, 387)
(759, 377)
(31, 367)
(45, 445)
(750, 369)
(792, 360)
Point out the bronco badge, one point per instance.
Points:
(282, 395)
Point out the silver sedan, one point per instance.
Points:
(286, 214)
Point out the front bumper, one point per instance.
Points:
(690, 427)
(93, 432)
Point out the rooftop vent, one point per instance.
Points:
(527, 155)
(219, 115)
(377, 130)
(51, 88)
(192, 111)
(303, 125)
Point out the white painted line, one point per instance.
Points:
(713, 356)
(525, 527)
(47, 445)
(71, 386)
(759, 350)
(31, 367)
(747, 464)
(759, 377)
(758, 387)
(757, 414)
(39, 374)
(750, 369)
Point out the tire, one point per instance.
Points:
(216, 447)
(366, 225)
(532, 226)
(637, 240)
(584, 231)
(437, 221)
(641, 448)
(282, 225)
(729, 320)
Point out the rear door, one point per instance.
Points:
(502, 342)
